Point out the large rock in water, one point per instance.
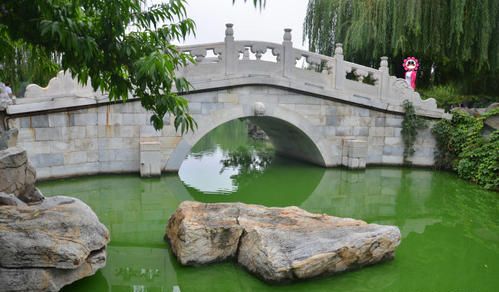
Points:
(277, 244)
(48, 245)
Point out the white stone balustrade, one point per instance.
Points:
(233, 66)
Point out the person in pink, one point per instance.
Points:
(411, 66)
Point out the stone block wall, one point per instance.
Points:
(105, 138)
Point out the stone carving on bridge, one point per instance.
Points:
(62, 91)
(259, 108)
(402, 90)
(63, 85)
(258, 50)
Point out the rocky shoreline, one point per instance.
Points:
(45, 243)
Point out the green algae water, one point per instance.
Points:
(450, 227)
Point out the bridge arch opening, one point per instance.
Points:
(289, 140)
(238, 158)
(293, 140)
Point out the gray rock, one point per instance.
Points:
(10, 200)
(34, 196)
(49, 279)
(196, 245)
(492, 106)
(60, 232)
(492, 122)
(48, 245)
(18, 175)
(468, 111)
(8, 139)
(12, 157)
(277, 244)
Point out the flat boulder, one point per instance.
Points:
(278, 245)
(50, 244)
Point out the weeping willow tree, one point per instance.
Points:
(455, 40)
(22, 63)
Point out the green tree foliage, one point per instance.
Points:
(454, 40)
(462, 148)
(451, 94)
(22, 63)
(120, 46)
(410, 126)
(257, 3)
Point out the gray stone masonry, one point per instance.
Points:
(354, 153)
(107, 139)
(150, 158)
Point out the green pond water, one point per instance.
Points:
(450, 227)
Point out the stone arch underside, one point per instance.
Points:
(290, 139)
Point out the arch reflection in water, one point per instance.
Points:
(222, 157)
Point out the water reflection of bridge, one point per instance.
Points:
(385, 196)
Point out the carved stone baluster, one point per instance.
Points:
(230, 50)
(258, 49)
(288, 54)
(229, 31)
(277, 53)
(329, 67)
(199, 54)
(246, 54)
(326, 67)
(297, 57)
(385, 76)
(360, 74)
(338, 50)
(340, 70)
(218, 52)
(374, 77)
(287, 34)
(314, 62)
(383, 65)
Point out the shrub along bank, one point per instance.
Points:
(463, 148)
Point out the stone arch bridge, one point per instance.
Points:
(319, 116)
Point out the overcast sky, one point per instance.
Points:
(249, 22)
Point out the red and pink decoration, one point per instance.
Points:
(411, 65)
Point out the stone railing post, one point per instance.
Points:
(340, 70)
(385, 75)
(230, 50)
(288, 61)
